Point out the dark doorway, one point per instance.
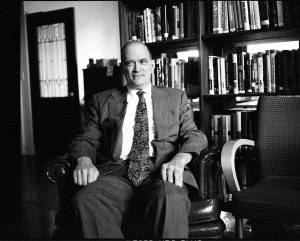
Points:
(54, 82)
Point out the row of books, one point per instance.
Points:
(225, 127)
(177, 73)
(163, 22)
(233, 16)
(263, 72)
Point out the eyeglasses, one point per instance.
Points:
(131, 63)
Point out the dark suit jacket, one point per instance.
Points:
(101, 137)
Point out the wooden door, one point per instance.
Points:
(54, 82)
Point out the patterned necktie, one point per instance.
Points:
(139, 155)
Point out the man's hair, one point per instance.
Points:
(133, 42)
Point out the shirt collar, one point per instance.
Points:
(133, 94)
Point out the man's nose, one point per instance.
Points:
(137, 66)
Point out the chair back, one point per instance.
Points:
(278, 136)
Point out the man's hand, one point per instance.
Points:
(85, 171)
(172, 171)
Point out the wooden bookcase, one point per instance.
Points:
(209, 44)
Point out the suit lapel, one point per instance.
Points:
(160, 103)
(117, 104)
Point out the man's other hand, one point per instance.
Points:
(85, 171)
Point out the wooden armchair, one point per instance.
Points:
(204, 217)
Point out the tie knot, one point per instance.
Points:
(140, 93)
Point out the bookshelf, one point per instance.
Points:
(208, 44)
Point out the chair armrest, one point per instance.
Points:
(206, 169)
(228, 162)
(57, 168)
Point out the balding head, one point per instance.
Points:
(130, 43)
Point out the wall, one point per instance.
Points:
(97, 36)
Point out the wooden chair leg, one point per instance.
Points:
(239, 227)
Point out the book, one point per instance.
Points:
(140, 27)
(211, 83)
(294, 70)
(260, 72)
(248, 78)
(231, 17)
(273, 71)
(256, 15)
(165, 24)
(264, 14)
(278, 71)
(288, 12)
(267, 71)
(232, 73)
(241, 71)
(273, 14)
(181, 20)
(225, 17)
(254, 74)
(158, 27)
(251, 15)
(222, 75)
(245, 15)
(280, 18)
(235, 14)
(217, 17)
(239, 15)
(235, 73)
(236, 125)
(158, 72)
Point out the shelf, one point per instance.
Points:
(245, 94)
(175, 45)
(288, 33)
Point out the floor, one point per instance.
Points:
(40, 205)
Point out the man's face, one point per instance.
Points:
(137, 66)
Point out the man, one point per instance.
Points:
(127, 193)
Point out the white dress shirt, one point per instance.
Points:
(128, 124)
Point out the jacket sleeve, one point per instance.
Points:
(191, 140)
(88, 141)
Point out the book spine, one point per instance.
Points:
(273, 14)
(225, 17)
(236, 18)
(260, 72)
(273, 71)
(217, 17)
(280, 18)
(251, 15)
(141, 29)
(245, 15)
(287, 12)
(211, 83)
(248, 78)
(152, 25)
(231, 16)
(222, 75)
(146, 26)
(158, 27)
(264, 14)
(256, 15)
(235, 73)
(285, 69)
(165, 23)
(254, 74)
(240, 15)
(267, 71)
(241, 71)
(278, 71)
(228, 87)
(181, 19)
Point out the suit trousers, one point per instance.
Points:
(112, 207)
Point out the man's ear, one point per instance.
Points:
(152, 64)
